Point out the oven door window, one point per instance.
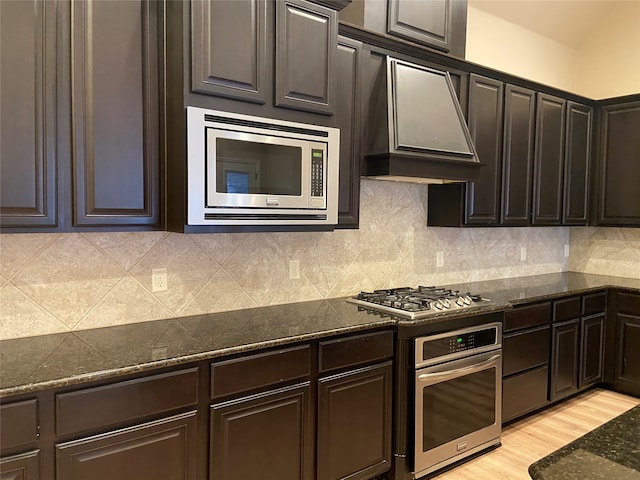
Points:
(454, 408)
(244, 167)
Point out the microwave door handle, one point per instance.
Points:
(459, 371)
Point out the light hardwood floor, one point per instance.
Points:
(532, 438)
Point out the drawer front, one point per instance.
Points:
(526, 317)
(257, 371)
(566, 309)
(355, 350)
(25, 466)
(18, 424)
(524, 393)
(524, 350)
(594, 303)
(628, 303)
(124, 401)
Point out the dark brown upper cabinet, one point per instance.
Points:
(90, 123)
(115, 119)
(348, 66)
(518, 148)
(549, 160)
(577, 164)
(486, 111)
(239, 72)
(274, 53)
(28, 162)
(618, 198)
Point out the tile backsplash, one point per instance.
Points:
(61, 282)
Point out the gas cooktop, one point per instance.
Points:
(408, 303)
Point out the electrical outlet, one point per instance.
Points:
(439, 259)
(523, 253)
(566, 249)
(159, 353)
(159, 280)
(294, 269)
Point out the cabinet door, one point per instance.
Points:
(347, 118)
(486, 102)
(591, 350)
(229, 49)
(115, 120)
(549, 160)
(161, 450)
(306, 39)
(577, 162)
(564, 359)
(354, 424)
(21, 467)
(428, 23)
(28, 166)
(266, 436)
(524, 392)
(627, 365)
(517, 168)
(619, 171)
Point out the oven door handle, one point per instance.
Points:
(459, 371)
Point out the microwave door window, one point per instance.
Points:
(258, 168)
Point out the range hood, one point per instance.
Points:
(416, 130)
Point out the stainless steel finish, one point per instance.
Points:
(446, 368)
(438, 309)
(258, 209)
(420, 341)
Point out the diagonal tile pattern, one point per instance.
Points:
(59, 282)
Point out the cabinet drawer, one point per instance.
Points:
(257, 371)
(524, 393)
(355, 350)
(18, 424)
(524, 350)
(124, 401)
(594, 303)
(526, 317)
(566, 309)
(628, 303)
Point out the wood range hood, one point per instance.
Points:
(416, 131)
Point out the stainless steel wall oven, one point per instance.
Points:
(458, 395)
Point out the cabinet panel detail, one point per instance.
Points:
(355, 350)
(628, 303)
(124, 401)
(264, 437)
(486, 104)
(428, 23)
(306, 38)
(115, 120)
(577, 164)
(528, 316)
(596, 303)
(354, 424)
(549, 160)
(566, 309)
(18, 424)
(524, 392)
(628, 349)
(228, 49)
(591, 350)
(261, 370)
(517, 157)
(28, 163)
(25, 466)
(564, 359)
(524, 350)
(162, 450)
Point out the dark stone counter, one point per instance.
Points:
(611, 451)
(36, 363)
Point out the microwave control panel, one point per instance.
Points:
(317, 173)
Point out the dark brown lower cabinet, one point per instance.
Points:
(265, 436)
(627, 362)
(591, 350)
(354, 424)
(159, 450)
(21, 467)
(565, 349)
(524, 392)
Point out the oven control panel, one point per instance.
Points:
(446, 346)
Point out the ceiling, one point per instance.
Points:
(568, 22)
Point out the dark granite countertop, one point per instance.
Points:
(36, 363)
(611, 451)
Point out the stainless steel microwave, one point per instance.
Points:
(245, 170)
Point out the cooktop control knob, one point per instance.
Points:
(460, 302)
(467, 299)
